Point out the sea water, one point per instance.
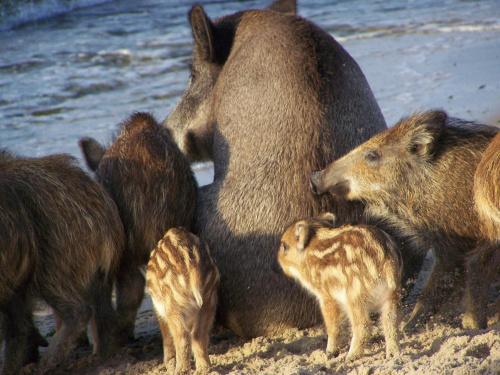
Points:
(80, 73)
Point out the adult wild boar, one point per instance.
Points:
(271, 97)
(418, 176)
(484, 265)
(60, 240)
(153, 186)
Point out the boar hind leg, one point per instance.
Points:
(182, 343)
(16, 324)
(444, 281)
(83, 340)
(482, 268)
(390, 322)
(75, 321)
(104, 326)
(360, 323)
(200, 337)
(129, 294)
(168, 341)
(332, 316)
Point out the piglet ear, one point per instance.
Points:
(203, 33)
(92, 152)
(425, 138)
(301, 235)
(284, 6)
(329, 217)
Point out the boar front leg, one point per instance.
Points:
(482, 268)
(332, 314)
(130, 285)
(444, 281)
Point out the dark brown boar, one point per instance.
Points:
(154, 188)
(271, 97)
(183, 280)
(484, 264)
(60, 240)
(418, 176)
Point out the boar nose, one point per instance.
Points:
(314, 178)
(275, 266)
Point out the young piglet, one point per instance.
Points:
(354, 269)
(183, 280)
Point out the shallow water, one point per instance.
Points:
(81, 73)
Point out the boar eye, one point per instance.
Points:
(285, 247)
(192, 77)
(372, 156)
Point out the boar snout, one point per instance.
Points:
(315, 181)
(276, 267)
(322, 182)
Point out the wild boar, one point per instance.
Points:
(61, 239)
(353, 269)
(154, 188)
(418, 176)
(271, 97)
(183, 280)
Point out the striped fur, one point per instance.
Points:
(183, 281)
(354, 269)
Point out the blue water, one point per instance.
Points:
(80, 73)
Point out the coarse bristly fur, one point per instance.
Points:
(484, 263)
(154, 188)
(352, 269)
(61, 240)
(183, 280)
(418, 175)
(271, 97)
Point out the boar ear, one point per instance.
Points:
(301, 235)
(329, 217)
(284, 6)
(92, 152)
(203, 33)
(425, 139)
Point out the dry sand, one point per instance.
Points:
(441, 347)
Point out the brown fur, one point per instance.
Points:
(60, 240)
(484, 264)
(354, 269)
(154, 188)
(271, 97)
(183, 280)
(418, 175)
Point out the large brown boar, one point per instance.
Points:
(271, 97)
(484, 264)
(418, 176)
(351, 268)
(183, 280)
(154, 188)
(60, 240)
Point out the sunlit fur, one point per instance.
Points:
(60, 240)
(183, 280)
(352, 269)
(484, 264)
(154, 188)
(418, 177)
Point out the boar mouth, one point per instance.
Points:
(341, 189)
